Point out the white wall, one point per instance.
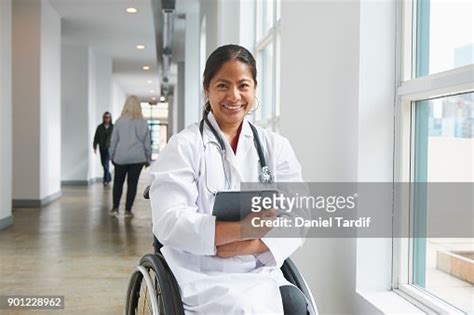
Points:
(36, 99)
(50, 98)
(340, 82)
(209, 8)
(247, 28)
(193, 102)
(228, 20)
(92, 109)
(320, 92)
(88, 91)
(118, 100)
(376, 130)
(26, 106)
(5, 112)
(103, 90)
(74, 113)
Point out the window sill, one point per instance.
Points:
(389, 302)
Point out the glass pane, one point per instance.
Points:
(266, 100)
(154, 126)
(444, 35)
(258, 112)
(277, 77)
(264, 17)
(278, 9)
(444, 152)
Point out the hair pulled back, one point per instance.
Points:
(219, 57)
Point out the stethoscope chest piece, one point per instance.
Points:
(266, 176)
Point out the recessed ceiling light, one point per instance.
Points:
(146, 68)
(162, 98)
(152, 91)
(149, 81)
(132, 10)
(140, 46)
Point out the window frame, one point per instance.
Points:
(410, 89)
(262, 41)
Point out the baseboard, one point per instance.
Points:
(74, 183)
(81, 182)
(6, 222)
(36, 203)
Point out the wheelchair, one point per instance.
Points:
(153, 289)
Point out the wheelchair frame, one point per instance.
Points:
(163, 290)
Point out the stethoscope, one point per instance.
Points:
(265, 176)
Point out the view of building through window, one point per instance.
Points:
(157, 117)
(442, 129)
(446, 155)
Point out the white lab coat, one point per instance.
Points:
(183, 223)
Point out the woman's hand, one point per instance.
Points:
(238, 248)
(229, 232)
(251, 226)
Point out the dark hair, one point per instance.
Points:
(107, 113)
(219, 57)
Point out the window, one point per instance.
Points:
(267, 48)
(435, 129)
(444, 35)
(156, 115)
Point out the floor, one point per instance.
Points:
(72, 247)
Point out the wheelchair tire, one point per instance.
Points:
(167, 290)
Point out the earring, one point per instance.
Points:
(256, 107)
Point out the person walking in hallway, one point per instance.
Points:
(102, 137)
(130, 150)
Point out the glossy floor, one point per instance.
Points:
(72, 247)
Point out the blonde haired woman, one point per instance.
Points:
(130, 150)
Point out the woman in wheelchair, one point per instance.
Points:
(217, 271)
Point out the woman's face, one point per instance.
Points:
(231, 92)
(106, 119)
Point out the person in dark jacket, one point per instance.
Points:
(102, 138)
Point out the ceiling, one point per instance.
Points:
(105, 26)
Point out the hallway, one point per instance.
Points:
(72, 247)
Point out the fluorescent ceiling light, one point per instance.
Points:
(146, 68)
(132, 10)
(140, 46)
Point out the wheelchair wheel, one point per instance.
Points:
(153, 289)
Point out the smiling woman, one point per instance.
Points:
(218, 270)
(230, 80)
